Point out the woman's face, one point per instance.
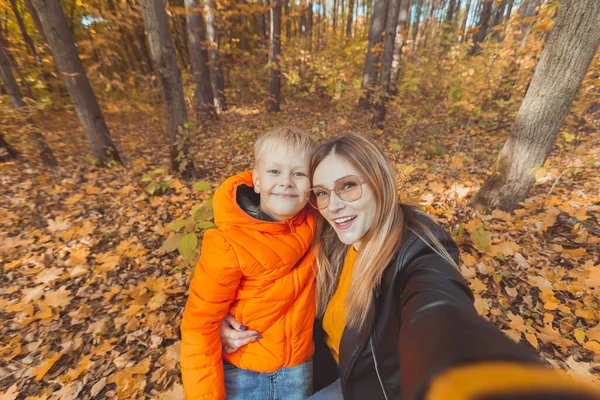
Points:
(351, 220)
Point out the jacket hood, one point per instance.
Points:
(228, 212)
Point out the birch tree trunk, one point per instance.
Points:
(572, 43)
(401, 36)
(349, 19)
(164, 59)
(70, 67)
(386, 63)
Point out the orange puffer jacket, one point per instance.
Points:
(263, 274)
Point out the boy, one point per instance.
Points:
(256, 266)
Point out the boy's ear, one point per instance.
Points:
(255, 181)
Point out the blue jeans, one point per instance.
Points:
(331, 392)
(284, 384)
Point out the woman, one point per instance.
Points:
(385, 272)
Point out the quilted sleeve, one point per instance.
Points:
(212, 290)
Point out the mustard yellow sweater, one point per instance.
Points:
(334, 320)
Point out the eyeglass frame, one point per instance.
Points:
(361, 181)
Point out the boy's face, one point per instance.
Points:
(281, 179)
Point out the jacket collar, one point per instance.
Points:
(227, 211)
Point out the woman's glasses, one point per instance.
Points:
(348, 189)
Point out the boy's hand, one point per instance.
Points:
(235, 335)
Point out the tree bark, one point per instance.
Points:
(463, 25)
(499, 17)
(349, 19)
(391, 25)
(415, 27)
(28, 40)
(274, 99)
(169, 78)
(70, 67)
(403, 21)
(12, 87)
(199, 60)
(509, 8)
(36, 19)
(572, 43)
(450, 13)
(528, 9)
(260, 23)
(309, 20)
(484, 21)
(288, 20)
(16, 97)
(373, 57)
(216, 71)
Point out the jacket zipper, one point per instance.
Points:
(377, 368)
(359, 350)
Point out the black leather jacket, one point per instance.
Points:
(418, 288)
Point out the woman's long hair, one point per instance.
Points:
(381, 241)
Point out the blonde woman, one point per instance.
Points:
(386, 275)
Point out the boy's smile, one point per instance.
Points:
(281, 179)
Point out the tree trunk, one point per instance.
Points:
(16, 97)
(274, 99)
(216, 71)
(391, 25)
(334, 15)
(450, 13)
(260, 23)
(508, 10)
(498, 17)
(12, 153)
(309, 20)
(415, 27)
(199, 60)
(288, 20)
(572, 43)
(69, 66)
(349, 20)
(484, 21)
(528, 9)
(36, 19)
(369, 80)
(463, 25)
(403, 20)
(28, 40)
(14, 92)
(169, 78)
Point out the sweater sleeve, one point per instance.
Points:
(212, 291)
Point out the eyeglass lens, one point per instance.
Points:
(349, 189)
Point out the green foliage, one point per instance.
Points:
(157, 182)
(187, 232)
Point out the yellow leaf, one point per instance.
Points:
(587, 314)
(551, 305)
(74, 199)
(581, 214)
(532, 339)
(575, 253)
(468, 260)
(40, 371)
(579, 335)
(477, 286)
(593, 346)
(89, 189)
(540, 173)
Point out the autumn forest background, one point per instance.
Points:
(119, 118)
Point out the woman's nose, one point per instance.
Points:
(335, 203)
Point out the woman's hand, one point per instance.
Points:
(235, 335)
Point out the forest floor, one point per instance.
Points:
(92, 308)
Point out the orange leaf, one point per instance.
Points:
(41, 370)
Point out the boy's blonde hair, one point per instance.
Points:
(292, 139)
